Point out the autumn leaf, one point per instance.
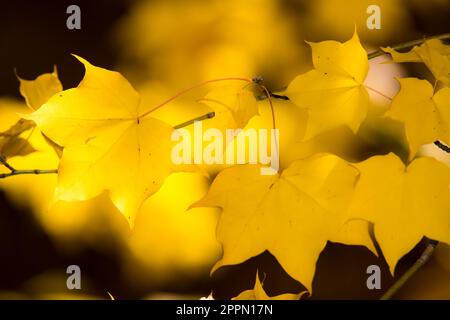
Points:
(292, 214)
(107, 144)
(433, 53)
(258, 293)
(11, 144)
(15, 147)
(333, 93)
(405, 203)
(234, 105)
(17, 129)
(37, 92)
(425, 114)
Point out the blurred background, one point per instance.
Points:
(163, 46)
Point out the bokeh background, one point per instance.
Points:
(162, 46)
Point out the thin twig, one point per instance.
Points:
(442, 146)
(278, 96)
(21, 172)
(209, 115)
(6, 164)
(407, 45)
(424, 258)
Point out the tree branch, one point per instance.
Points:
(407, 45)
(22, 172)
(5, 163)
(424, 258)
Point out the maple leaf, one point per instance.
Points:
(17, 129)
(292, 214)
(258, 293)
(16, 146)
(333, 92)
(107, 145)
(234, 105)
(425, 114)
(11, 144)
(37, 92)
(433, 53)
(405, 203)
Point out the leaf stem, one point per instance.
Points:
(406, 45)
(424, 258)
(201, 84)
(274, 126)
(22, 172)
(379, 92)
(209, 115)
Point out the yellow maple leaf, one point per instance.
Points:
(333, 92)
(292, 215)
(234, 105)
(37, 92)
(11, 144)
(425, 114)
(107, 145)
(189, 239)
(405, 203)
(258, 293)
(10, 147)
(433, 53)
